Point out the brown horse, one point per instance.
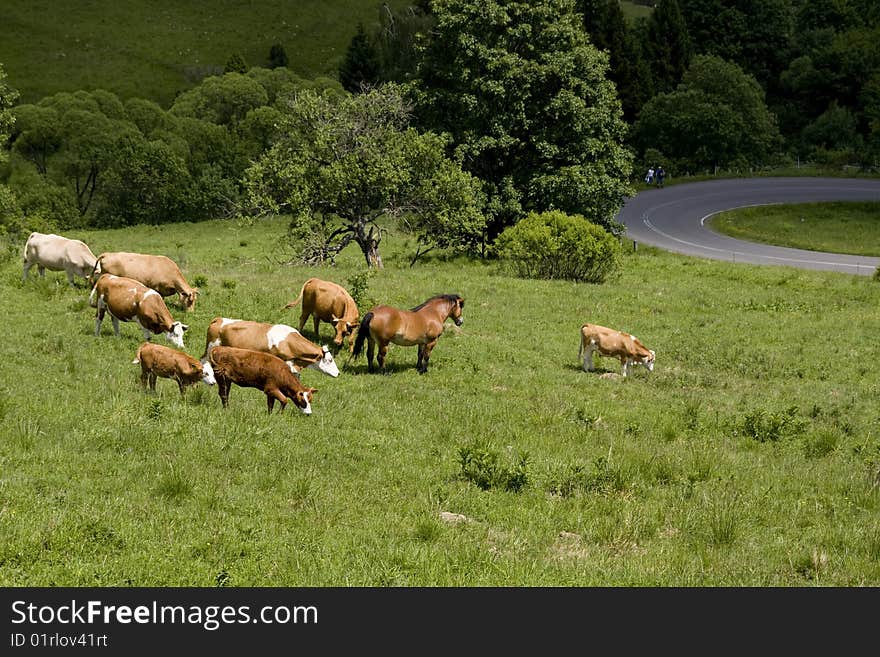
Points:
(420, 326)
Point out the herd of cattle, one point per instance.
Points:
(131, 287)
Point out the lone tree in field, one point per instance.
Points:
(343, 164)
(527, 101)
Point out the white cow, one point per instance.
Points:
(58, 253)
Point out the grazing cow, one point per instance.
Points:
(155, 271)
(157, 360)
(279, 339)
(128, 300)
(608, 342)
(327, 302)
(58, 254)
(257, 369)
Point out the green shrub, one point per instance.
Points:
(481, 465)
(769, 426)
(556, 245)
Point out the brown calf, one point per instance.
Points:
(256, 369)
(610, 342)
(157, 360)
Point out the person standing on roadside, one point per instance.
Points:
(661, 174)
(650, 177)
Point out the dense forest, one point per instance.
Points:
(461, 117)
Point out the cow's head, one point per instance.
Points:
(343, 329)
(302, 399)
(648, 361)
(175, 335)
(325, 363)
(188, 299)
(208, 374)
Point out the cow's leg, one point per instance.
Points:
(588, 359)
(182, 385)
(271, 396)
(145, 376)
(70, 278)
(223, 385)
(99, 316)
(317, 322)
(115, 325)
(153, 378)
(147, 335)
(27, 268)
(627, 367)
(42, 270)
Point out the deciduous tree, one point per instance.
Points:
(526, 99)
(343, 165)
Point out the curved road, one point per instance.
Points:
(674, 218)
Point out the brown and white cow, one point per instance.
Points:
(278, 339)
(58, 253)
(128, 300)
(157, 272)
(327, 302)
(257, 369)
(610, 342)
(157, 360)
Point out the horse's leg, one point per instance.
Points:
(424, 355)
(371, 346)
(380, 357)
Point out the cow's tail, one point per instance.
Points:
(93, 297)
(298, 299)
(581, 342)
(363, 330)
(137, 356)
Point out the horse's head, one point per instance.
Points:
(455, 310)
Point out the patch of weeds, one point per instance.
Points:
(722, 520)
(771, 426)
(27, 432)
(820, 443)
(173, 487)
(587, 419)
(872, 544)
(200, 280)
(691, 414)
(222, 578)
(198, 395)
(811, 566)
(302, 493)
(227, 284)
(100, 535)
(154, 410)
(599, 477)
(481, 465)
(427, 530)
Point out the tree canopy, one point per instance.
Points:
(343, 165)
(526, 99)
(716, 116)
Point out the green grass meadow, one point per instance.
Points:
(749, 457)
(138, 49)
(832, 227)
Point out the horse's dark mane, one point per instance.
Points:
(447, 297)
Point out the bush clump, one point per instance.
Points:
(557, 245)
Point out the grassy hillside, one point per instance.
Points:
(155, 50)
(750, 456)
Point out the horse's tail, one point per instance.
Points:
(363, 330)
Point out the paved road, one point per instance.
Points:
(674, 218)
